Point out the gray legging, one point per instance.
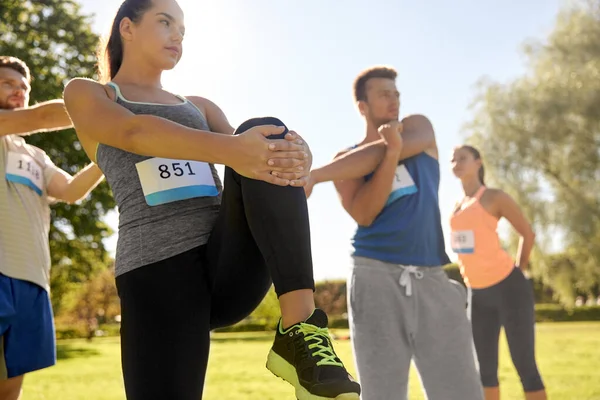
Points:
(509, 304)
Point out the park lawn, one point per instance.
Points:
(568, 355)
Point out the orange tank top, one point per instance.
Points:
(482, 260)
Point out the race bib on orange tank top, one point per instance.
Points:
(463, 242)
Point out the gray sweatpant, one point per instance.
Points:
(400, 313)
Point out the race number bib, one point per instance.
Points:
(403, 184)
(463, 242)
(164, 180)
(24, 170)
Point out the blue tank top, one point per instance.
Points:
(408, 231)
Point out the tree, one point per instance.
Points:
(55, 40)
(268, 311)
(94, 302)
(330, 296)
(541, 135)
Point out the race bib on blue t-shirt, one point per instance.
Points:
(24, 170)
(165, 180)
(463, 242)
(403, 184)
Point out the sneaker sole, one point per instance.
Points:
(286, 371)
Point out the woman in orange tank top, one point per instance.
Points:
(502, 296)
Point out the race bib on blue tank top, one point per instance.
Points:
(23, 169)
(463, 242)
(403, 184)
(165, 180)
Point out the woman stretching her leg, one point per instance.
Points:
(188, 252)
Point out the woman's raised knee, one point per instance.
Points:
(252, 122)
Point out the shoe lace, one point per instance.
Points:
(321, 342)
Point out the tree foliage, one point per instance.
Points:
(540, 137)
(55, 39)
(330, 296)
(93, 303)
(268, 311)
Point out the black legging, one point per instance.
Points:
(510, 304)
(262, 235)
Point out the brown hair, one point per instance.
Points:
(110, 53)
(360, 83)
(477, 155)
(17, 65)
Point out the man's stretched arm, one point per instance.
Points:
(71, 189)
(417, 137)
(47, 116)
(365, 200)
(351, 164)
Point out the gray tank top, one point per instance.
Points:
(166, 207)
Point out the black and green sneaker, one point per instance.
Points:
(303, 356)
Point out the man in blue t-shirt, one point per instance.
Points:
(401, 305)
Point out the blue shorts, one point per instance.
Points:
(26, 328)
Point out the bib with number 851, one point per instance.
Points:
(23, 169)
(403, 184)
(463, 242)
(165, 180)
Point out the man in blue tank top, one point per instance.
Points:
(401, 305)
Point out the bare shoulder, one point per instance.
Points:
(495, 198)
(207, 107)
(416, 121)
(201, 102)
(495, 193)
(216, 118)
(419, 130)
(78, 88)
(81, 84)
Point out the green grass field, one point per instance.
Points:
(568, 354)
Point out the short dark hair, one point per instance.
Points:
(360, 83)
(15, 64)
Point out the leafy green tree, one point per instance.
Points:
(93, 303)
(540, 138)
(268, 311)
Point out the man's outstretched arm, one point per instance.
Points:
(48, 116)
(365, 200)
(417, 135)
(351, 164)
(71, 189)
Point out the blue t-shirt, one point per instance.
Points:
(408, 230)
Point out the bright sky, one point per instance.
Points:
(297, 61)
